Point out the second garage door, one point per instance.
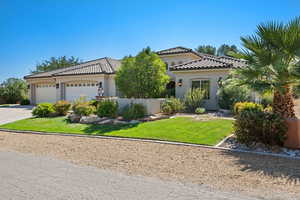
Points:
(76, 90)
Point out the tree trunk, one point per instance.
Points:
(283, 103)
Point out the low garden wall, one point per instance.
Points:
(293, 134)
(153, 106)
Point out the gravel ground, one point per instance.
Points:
(259, 176)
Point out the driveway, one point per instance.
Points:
(24, 176)
(14, 113)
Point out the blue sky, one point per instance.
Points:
(34, 30)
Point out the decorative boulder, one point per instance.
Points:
(74, 118)
(90, 119)
(107, 121)
(134, 122)
(118, 122)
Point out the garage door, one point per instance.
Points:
(76, 90)
(45, 93)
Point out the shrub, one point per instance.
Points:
(43, 110)
(268, 109)
(229, 94)
(172, 105)
(25, 102)
(62, 107)
(134, 111)
(267, 99)
(193, 99)
(249, 106)
(82, 107)
(94, 103)
(200, 110)
(107, 108)
(258, 126)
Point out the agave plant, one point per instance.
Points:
(273, 55)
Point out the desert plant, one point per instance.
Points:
(200, 110)
(134, 111)
(25, 102)
(107, 108)
(172, 105)
(193, 99)
(251, 127)
(247, 106)
(272, 54)
(62, 107)
(43, 110)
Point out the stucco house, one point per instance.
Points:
(186, 68)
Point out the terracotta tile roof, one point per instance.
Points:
(99, 66)
(200, 64)
(234, 61)
(176, 50)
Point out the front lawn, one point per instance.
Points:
(181, 129)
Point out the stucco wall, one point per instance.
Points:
(213, 76)
(153, 106)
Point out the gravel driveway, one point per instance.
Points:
(247, 174)
(24, 176)
(14, 113)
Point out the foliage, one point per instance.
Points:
(56, 63)
(200, 110)
(134, 111)
(82, 107)
(94, 103)
(258, 126)
(207, 49)
(273, 62)
(143, 76)
(267, 99)
(107, 108)
(268, 109)
(25, 102)
(172, 105)
(13, 90)
(193, 99)
(229, 93)
(62, 107)
(247, 106)
(43, 110)
(227, 50)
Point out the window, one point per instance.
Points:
(204, 85)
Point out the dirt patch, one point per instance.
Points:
(260, 176)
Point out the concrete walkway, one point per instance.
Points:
(24, 176)
(13, 113)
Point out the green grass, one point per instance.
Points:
(181, 129)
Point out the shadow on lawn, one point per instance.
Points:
(275, 167)
(97, 129)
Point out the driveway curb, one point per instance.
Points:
(150, 141)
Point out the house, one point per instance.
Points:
(186, 68)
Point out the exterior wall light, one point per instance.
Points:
(57, 85)
(179, 82)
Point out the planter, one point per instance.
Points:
(293, 134)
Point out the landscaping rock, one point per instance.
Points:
(74, 118)
(90, 119)
(119, 122)
(134, 122)
(107, 121)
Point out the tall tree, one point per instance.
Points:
(143, 76)
(207, 49)
(13, 90)
(56, 63)
(227, 50)
(273, 55)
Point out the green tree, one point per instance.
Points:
(273, 55)
(56, 63)
(13, 90)
(143, 76)
(207, 49)
(227, 50)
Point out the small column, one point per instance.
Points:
(32, 93)
(62, 91)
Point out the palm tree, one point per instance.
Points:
(273, 55)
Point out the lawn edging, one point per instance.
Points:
(216, 147)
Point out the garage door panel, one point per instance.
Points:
(75, 91)
(45, 93)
